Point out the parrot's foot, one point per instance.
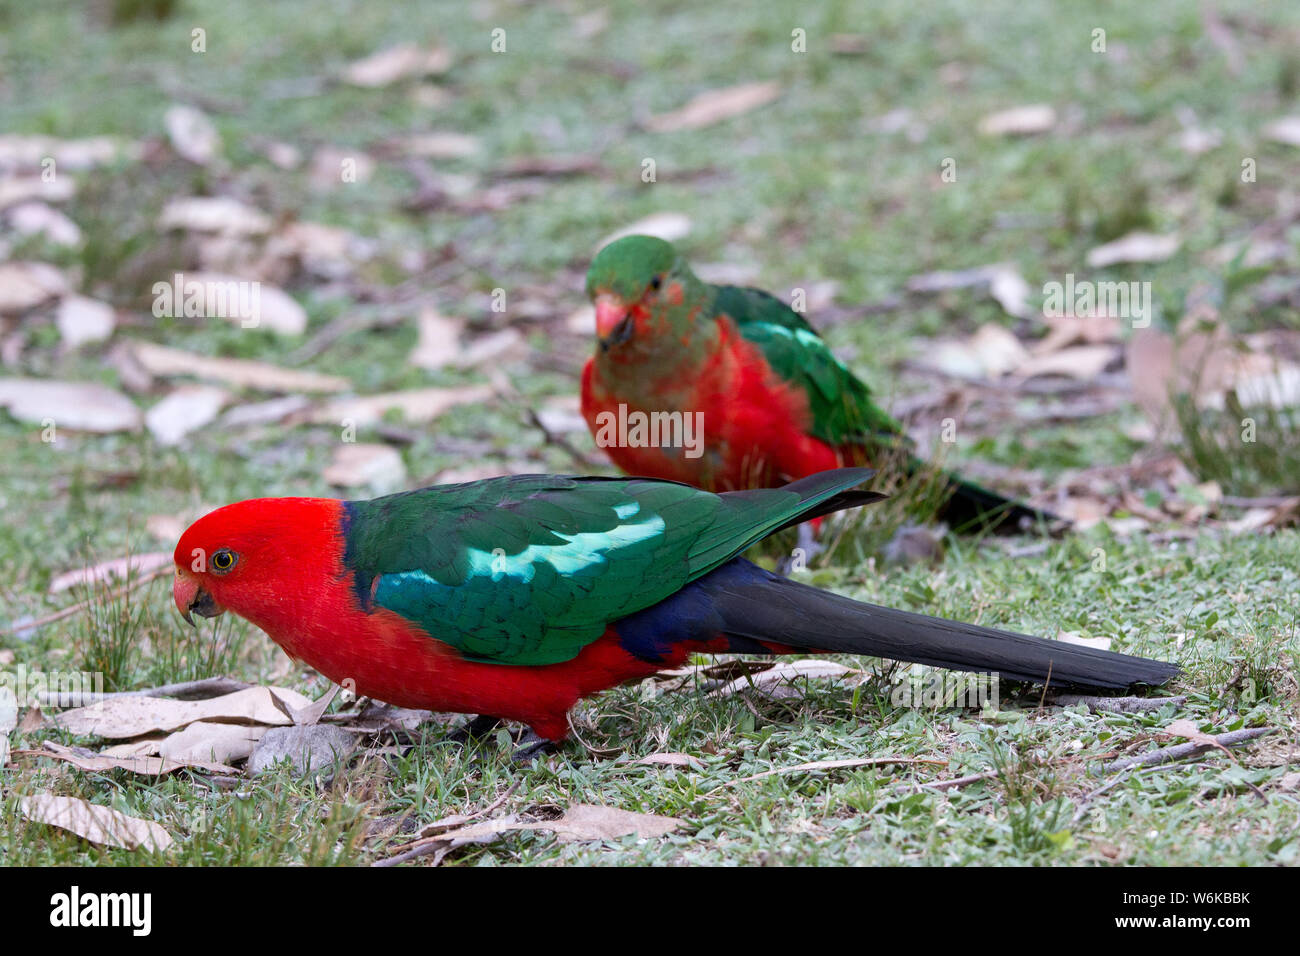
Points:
(532, 746)
(806, 548)
(475, 729)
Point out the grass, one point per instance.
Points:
(808, 188)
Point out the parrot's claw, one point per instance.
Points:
(532, 746)
(473, 730)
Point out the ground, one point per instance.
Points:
(829, 182)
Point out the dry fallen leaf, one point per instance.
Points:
(1019, 121)
(417, 406)
(1083, 362)
(214, 214)
(1069, 637)
(268, 307)
(669, 760)
(33, 720)
(105, 572)
(144, 765)
(1063, 330)
(19, 190)
(192, 134)
(585, 822)
(327, 251)
(25, 285)
(439, 339)
(990, 353)
(38, 219)
(185, 410)
(28, 152)
(782, 673)
(401, 62)
(268, 412)
(1082, 511)
(1282, 515)
(119, 718)
(1004, 283)
(582, 320)
(366, 465)
(81, 320)
(1261, 381)
(78, 406)
(1010, 290)
(1285, 130)
(1187, 728)
(1134, 247)
(206, 741)
(98, 824)
(240, 373)
(668, 226)
(714, 106)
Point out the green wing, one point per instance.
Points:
(530, 569)
(841, 404)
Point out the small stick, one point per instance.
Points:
(506, 390)
(562, 443)
(1166, 754)
(960, 781)
(82, 605)
(1119, 705)
(1267, 501)
(430, 844)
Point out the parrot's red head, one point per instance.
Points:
(640, 286)
(256, 557)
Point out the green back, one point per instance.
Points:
(530, 569)
(841, 404)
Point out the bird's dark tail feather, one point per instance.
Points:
(970, 508)
(755, 604)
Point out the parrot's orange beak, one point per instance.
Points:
(191, 599)
(613, 324)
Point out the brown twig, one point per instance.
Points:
(562, 443)
(427, 845)
(1118, 705)
(506, 390)
(957, 782)
(1166, 754)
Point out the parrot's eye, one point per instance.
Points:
(656, 282)
(223, 560)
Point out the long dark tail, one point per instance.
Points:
(752, 604)
(971, 508)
